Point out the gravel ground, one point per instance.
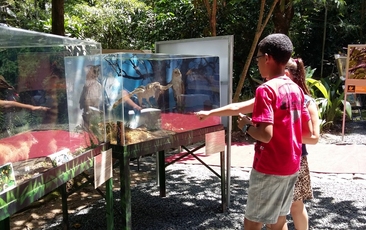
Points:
(193, 199)
(354, 133)
(193, 202)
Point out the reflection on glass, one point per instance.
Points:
(34, 108)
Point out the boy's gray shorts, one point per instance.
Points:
(269, 196)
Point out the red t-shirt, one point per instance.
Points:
(280, 102)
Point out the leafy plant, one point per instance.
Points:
(331, 102)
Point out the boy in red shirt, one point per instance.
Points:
(278, 123)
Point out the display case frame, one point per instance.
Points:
(156, 95)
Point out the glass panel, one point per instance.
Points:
(17, 38)
(148, 96)
(37, 104)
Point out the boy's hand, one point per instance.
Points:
(243, 120)
(202, 115)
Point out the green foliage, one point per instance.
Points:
(343, 26)
(117, 24)
(23, 14)
(240, 18)
(331, 100)
(312, 83)
(180, 19)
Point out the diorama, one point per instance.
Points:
(148, 96)
(40, 128)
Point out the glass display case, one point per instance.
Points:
(42, 123)
(149, 96)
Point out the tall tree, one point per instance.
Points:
(211, 9)
(211, 13)
(282, 16)
(262, 22)
(58, 19)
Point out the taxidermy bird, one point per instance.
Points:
(178, 87)
(91, 96)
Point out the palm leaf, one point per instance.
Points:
(319, 85)
(348, 109)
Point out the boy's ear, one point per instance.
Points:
(269, 59)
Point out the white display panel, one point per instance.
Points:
(221, 46)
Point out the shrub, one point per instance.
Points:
(331, 100)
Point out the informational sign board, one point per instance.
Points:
(355, 74)
(103, 167)
(215, 142)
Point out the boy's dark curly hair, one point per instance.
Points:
(279, 46)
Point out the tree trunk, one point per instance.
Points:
(58, 17)
(282, 16)
(258, 33)
(211, 13)
(213, 18)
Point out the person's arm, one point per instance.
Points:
(315, 124)
(132, 104)
(126, 98)
(306, 126)
(8, 104)
(307, 129)
(232, 109)
(262, 131)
